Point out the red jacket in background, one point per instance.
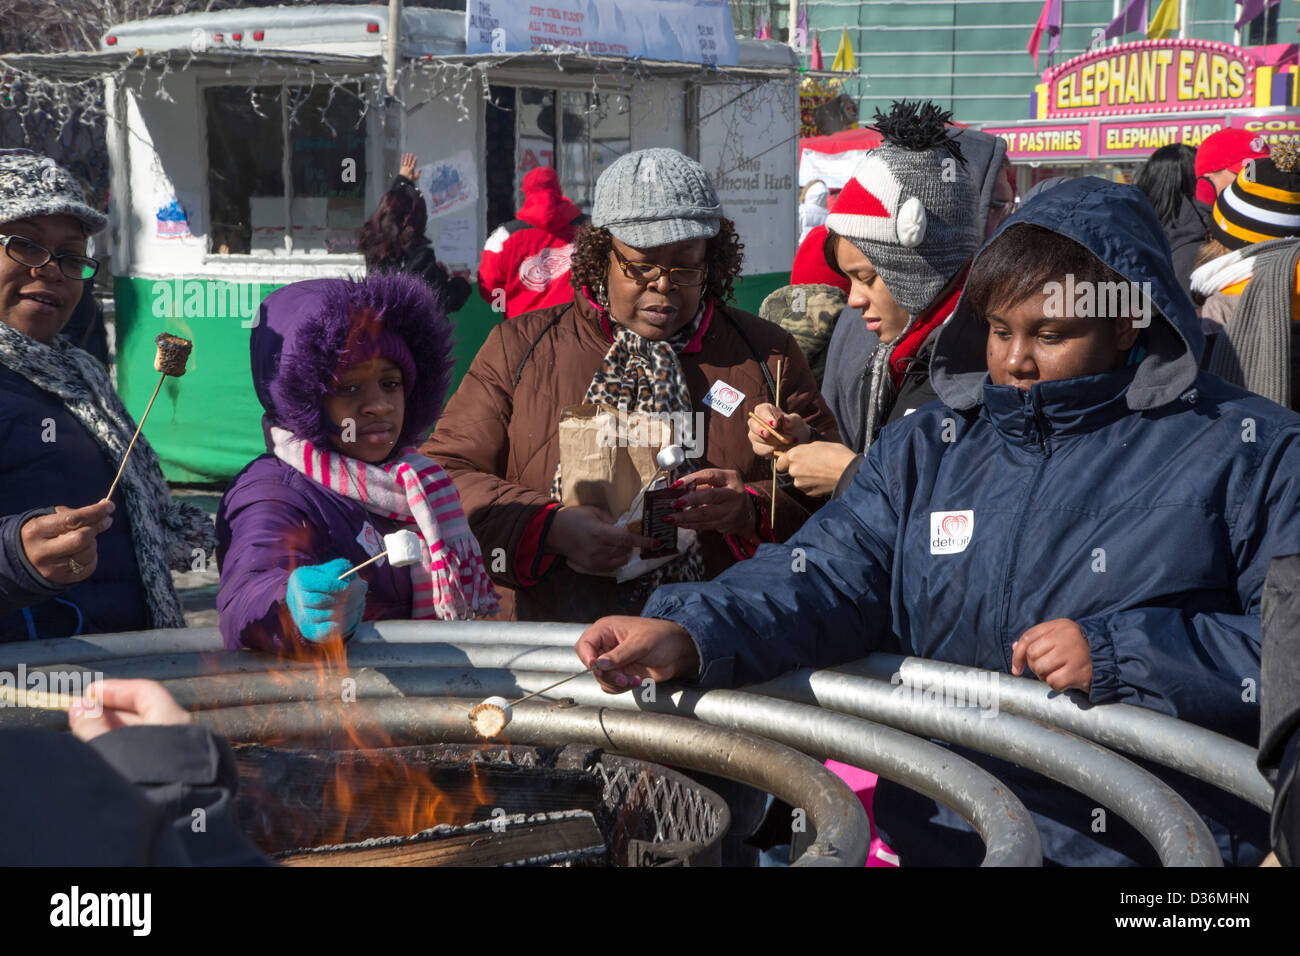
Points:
(528, 257)
(810, 265)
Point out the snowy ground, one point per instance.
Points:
(198, 589)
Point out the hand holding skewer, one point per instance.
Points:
(63, 546)
(774, 432)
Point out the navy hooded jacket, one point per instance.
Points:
(1144, 503)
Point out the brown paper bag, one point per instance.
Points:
(601, 467)
(608, 468)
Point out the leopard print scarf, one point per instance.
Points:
(645, 375)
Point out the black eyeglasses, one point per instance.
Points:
(645, 273)
(34, 256)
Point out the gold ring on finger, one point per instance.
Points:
(76, 567)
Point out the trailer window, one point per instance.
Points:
(245, 168)
(596, 131)
(327, 142)
(578, 133)
(324, 204)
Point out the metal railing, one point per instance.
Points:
(418, 679)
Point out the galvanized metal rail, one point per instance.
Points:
(839, 713)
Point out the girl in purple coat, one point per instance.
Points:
(352, 375)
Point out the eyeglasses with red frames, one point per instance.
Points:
(645, 273)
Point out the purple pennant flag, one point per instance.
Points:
(801, 30)
(1250, 9)
(1049, 22)
(1131, 19)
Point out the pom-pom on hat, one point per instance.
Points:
(910, 205)
(1263, 202)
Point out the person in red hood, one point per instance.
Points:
(527, 258)
(1221, 156)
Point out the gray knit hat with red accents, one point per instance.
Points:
(32, 185)
(654, 197)
(910, 205)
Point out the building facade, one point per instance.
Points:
(970, 56)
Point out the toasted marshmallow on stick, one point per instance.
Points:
(173, 352)
(170, 358)
(490, 716)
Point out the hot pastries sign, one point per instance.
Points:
(1153, 76)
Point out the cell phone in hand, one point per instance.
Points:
(658, 504)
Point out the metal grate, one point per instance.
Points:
(658, 818)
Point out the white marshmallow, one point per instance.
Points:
(490, 716)
(670, 457)
(403, 548)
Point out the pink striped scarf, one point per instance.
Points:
(450, 582)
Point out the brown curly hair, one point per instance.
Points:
(723, 256)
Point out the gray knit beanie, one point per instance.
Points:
(654, 197)
(32, 185)
(910, 205)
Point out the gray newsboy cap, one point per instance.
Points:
(654, 197)
(32, 185)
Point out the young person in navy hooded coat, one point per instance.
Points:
(1110, 513)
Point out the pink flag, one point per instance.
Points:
(816, 63)
(1049, 22)
(764, 33)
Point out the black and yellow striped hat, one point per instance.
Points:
(1263, 202)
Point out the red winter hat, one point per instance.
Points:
(810, 266)
(1226, 149)
(543, 178)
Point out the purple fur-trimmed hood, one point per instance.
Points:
(306, 332)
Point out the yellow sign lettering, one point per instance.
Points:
(1236, 79)
(1218, 77)
(1185, 60)
(1132, 88)
(1201, 84)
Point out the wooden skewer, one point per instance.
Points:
(37, 699)
(381, 554)
(775, 435)
(125, 457)
(551, 686)
(780, 364)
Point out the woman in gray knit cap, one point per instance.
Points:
(70, 562)
(649, 328)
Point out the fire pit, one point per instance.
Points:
(411, 684)
(465, 805)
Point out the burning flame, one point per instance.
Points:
(370, 795)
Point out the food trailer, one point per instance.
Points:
(1103, 113)
(247, 147)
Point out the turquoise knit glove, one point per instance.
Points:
(323, 607)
